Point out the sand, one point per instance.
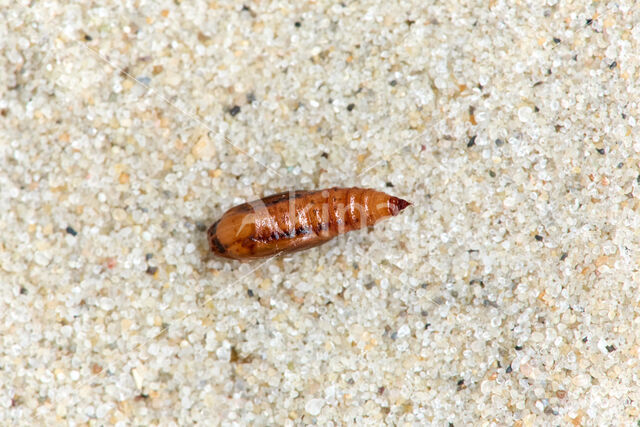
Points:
(506, 295)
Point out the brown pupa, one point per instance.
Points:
(297, 220)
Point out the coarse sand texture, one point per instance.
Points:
(507, 294)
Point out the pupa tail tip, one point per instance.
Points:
(398, 204)
(403, 204)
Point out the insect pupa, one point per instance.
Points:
(297, 220)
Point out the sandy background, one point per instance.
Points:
(508, 294)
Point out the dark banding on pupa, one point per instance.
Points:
(297, 220)
(213, 239)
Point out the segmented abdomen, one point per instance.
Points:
(297, 220)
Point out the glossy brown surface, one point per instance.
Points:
(297, 220)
